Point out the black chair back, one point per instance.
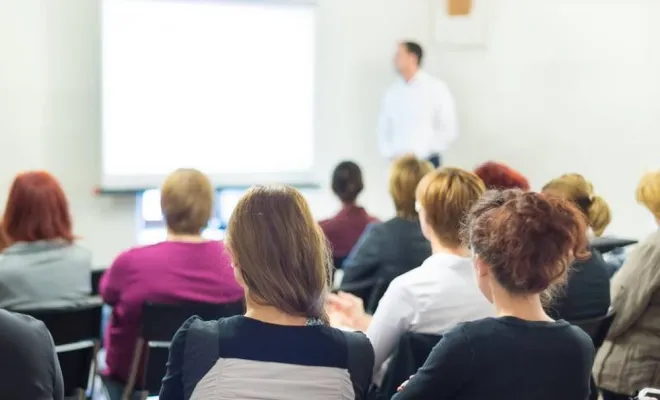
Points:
(410, 354)
(159, 324)
(76, 332)
(607, 244)
(596, 328)
(96, 276)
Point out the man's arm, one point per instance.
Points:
(446, 119)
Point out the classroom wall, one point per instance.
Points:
(49, 102)
(563, 85)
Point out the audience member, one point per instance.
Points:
(498, 176)
(440, 293)
(587, 294)
(186, 267)
(629, 360)
(522, 244)
(29, 368)
(391, 248)
(42, 267)
(344, 229)
(282, 348)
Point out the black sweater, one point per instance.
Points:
(506, 359)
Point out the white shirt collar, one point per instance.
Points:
(442, 259)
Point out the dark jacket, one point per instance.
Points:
(387, 250)
(29, 368)
(587, 292)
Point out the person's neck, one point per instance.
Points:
(438, 248)
(186, 238)
(272, 315)
(525, 307)
(349, 204)
(409, 74)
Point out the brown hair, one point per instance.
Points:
(280, 251)
(648, 192)
(575, 188)
(347, 181)
(405, 175)
(186, 199)
(446, 195)
(529, 240)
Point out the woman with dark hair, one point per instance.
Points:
(344, 229)
(522, 245)
(282, 348)
(499, 176)
(42, 267)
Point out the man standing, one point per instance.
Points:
(418, 114)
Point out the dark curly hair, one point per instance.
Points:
(500, 176)
(528, 239)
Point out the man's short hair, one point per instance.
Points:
(416, 49)
(186, 199)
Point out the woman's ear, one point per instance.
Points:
(238, 275)
(481, 267)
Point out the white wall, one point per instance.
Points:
(565, 85)
(49, 101)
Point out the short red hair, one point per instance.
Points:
(500, 176)
(37, 209)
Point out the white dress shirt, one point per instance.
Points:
(431, 299)
(417, 116)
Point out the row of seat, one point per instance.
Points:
(76, 333)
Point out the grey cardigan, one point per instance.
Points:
(44, 274)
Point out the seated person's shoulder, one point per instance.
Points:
(21, 328)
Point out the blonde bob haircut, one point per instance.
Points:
(405, 175)
(648, 192)
(446, 195)
(280, 251)
(186, 199)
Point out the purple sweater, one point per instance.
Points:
(164, 272)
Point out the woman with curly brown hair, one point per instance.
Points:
(523, 245)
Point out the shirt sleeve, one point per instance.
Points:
(172, 387)
(364, 259)
(113, 280)
(633, 286)
(392, 319)
(385, 128)
(446, 119)
(445, 372)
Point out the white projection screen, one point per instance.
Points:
(224, 86)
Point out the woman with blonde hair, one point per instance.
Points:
(388, 249)
(185, 267)
(629, 360)
(587, 293)
(282, 348)
(439, 293)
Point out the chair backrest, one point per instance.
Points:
(76, 332)
(96, 276)
(596, 328)
(409, 355)
(607, 244)
(159, 324)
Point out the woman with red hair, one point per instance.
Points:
(42, 267)
(498, 176)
